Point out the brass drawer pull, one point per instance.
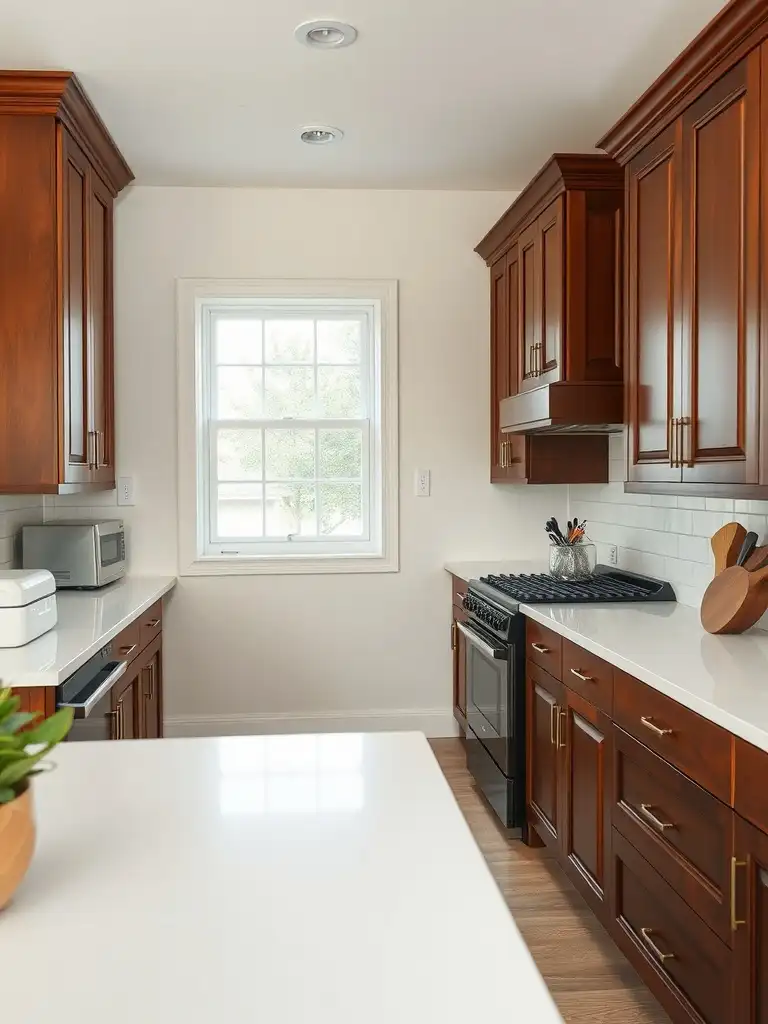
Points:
(650, 724)
(561, 721)
(453, 636)
(662, 957)
(735, 920)
(128, 651)
(114, 729)
(553, 717)
(459, 599)
(153, 623)
(541, 649)
(647, 813)
(582, 677)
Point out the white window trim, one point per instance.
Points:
(191, 296)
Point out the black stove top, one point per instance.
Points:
(608, 585)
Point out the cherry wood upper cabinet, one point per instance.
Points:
(566, 228)
(696, 257)
(61, 173)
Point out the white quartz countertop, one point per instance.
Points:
(296, 879)
(722, 678)
(88, 619)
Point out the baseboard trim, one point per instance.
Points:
(433, 722)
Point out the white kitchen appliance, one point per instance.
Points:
(27, 605)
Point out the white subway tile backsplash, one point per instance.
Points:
(684, 501)
(707, 523)
(695, 549)
(719, 504)
(15, 512)
(680, 520)
(663, 500)
(741, 506)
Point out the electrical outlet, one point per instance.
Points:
(613, 555)
(423, 483)
(125, 491)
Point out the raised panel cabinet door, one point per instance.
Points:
(151, 691)
(125, 704)
(76, 441)
(528, 305)
(750, 918)
(585, 735)
(721, 280)
(100, 330)
(543, 754)
(549, 360)
(653, 316)
(500, 355)
(459, 648)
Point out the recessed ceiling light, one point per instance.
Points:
(320, 134)
(326, 35)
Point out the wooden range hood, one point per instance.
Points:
(557, 250)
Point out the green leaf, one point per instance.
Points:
(52, 730)
(9, 756)
(17, 770)
(6, 795)
(8, 705)
(16, 721)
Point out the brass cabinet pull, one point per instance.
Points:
(153, 623)
(672, 443)
(540, 648)
(114, 731)
(540, 358)
(681, 441)
(128, 651)
(686, 440)
(453, 636)
(151, 674)
(90, 453)
(501, 455)
(650, 724)
(662, 957)
(119, 722)
(582, 677)
(658, 824)
(561, 722)
(532, 360)
(554, 716)
(735, 920)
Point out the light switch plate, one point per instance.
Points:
(125, 491)
(423, 485)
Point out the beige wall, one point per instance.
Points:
(315, 651)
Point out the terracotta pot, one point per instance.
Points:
(17, 843)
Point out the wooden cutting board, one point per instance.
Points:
(726, 545)
(735, 600)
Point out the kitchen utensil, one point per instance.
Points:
(726, 545)
(757, 559)
(749, 545)
(735, 600)
(553, 527)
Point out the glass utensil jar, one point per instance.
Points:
(573, 561)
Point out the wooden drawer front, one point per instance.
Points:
(545, 648)
(588, 675)
(150, 624)
(693, 853)
(751, 800)
(665, 938)
(128, 643)
(458, 590)
(691, 743)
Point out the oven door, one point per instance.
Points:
(92, 703)
(488, 685)
(110, 556)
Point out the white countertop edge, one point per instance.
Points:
(56, 674)
(732, 723)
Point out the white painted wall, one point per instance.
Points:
(335, 646)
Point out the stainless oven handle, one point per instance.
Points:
(84, 710)
(497, 653)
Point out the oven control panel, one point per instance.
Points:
(485, 612)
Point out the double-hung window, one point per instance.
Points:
(295, 458)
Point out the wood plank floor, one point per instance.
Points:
(589, 978)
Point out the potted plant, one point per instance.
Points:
(24, 742)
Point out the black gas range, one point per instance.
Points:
(494, 651)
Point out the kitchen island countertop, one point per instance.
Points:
(722, 678)
(296, 879)
(88, 619)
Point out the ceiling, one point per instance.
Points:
(466, 94)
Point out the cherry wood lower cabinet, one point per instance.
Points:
(136, 709)
(660, 819)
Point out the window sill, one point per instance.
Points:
(287, 566)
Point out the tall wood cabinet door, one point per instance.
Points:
(549, 361)
(721, 279)
(151, 689)
(500, 369)
(750, 904)
(544, 698)
(125, 704)
(529, 305)
(100, 330)
(75, 444)
(584, 734)
(653, 309)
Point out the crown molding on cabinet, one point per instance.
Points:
(59, 94)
